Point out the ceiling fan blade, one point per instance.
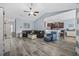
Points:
(30, 8)
(29, 14)
(36, 12)
(26, 11)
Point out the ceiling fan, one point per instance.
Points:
(31, 11)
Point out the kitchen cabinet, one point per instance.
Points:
(55, 25)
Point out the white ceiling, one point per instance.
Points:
(62, 16)
(15, 10)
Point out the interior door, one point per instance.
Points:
(1, 31)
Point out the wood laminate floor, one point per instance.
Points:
(38, 47)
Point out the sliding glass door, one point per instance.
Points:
(77, 31)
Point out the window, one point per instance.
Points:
(26, 25)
